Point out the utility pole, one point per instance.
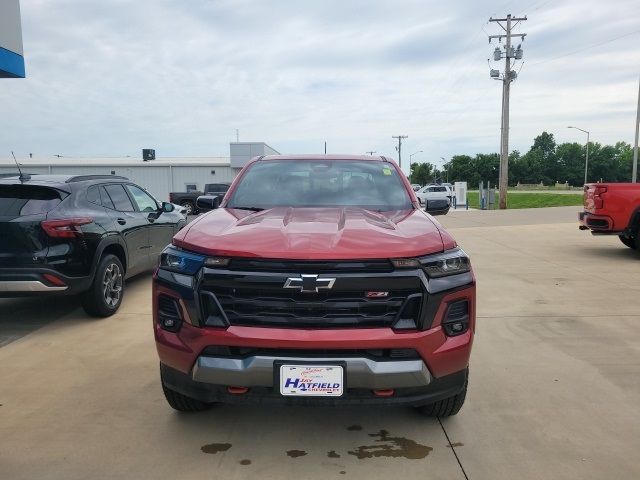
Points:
(399, 148)
(634, 175)
(508, 76)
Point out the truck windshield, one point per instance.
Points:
(370, 184)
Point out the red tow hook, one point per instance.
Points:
(384, 393)
(237, 390)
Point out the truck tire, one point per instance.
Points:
(629, 242)
(182, 403)
(447, 407)
(104, 297)
(189, 206)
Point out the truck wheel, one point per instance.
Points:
(447, 407)
(182, 403)
(628, 241)
(189, 206)
(105, 294)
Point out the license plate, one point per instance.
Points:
(311, 380)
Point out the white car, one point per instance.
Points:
(434, 192)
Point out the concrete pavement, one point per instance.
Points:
(554, 387)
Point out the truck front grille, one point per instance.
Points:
(343, 300)
(283, 308)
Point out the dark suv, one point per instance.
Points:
(62, 235)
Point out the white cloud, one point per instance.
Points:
(113, 77)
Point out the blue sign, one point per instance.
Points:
(11, 64)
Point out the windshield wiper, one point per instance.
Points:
(252, 209)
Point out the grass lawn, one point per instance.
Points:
(531, 200)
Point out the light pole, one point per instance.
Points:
(586, 163)
(446, 169)
(410, 157)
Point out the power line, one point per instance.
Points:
(585, 48)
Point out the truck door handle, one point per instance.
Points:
(122, 221)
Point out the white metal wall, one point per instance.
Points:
(159, 180)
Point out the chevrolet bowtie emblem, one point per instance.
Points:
(309, 283)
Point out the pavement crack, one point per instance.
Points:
(452, 446)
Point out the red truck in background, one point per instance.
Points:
(613, 209)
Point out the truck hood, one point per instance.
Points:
(314, 234)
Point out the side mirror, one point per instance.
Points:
(208, 202)
(437, 207)
(167, 207)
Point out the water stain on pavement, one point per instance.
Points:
(296, 453)
(246, 461)
(342, 472)
(215, 447)
(333, 454)
(391, 447)
(354, 428)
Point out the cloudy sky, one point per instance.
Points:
(110, 77)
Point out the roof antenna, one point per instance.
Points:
(23, 177)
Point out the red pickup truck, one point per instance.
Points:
(318, 280)
(613, 209)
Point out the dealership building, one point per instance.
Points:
(159, 175)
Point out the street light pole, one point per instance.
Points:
(586, 163)
(446, 169)
(410, 157)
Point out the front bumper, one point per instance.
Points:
(442, 355)
(361, 372)
(437, 389)
(20, 282)
(187, 352)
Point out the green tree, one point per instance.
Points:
(421, 173)
(570, 158)
(488, 167)
(546, 162)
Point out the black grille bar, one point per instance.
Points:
(293, 266)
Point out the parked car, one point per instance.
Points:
(416, 187)
(319, 280)
(450, 187)
(613, 209)
(64, 235)
(188, 200)
(435, 197)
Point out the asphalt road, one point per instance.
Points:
(554, 387)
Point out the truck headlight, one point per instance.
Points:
(448, 263)
(179, 261)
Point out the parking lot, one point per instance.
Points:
(554, 382)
